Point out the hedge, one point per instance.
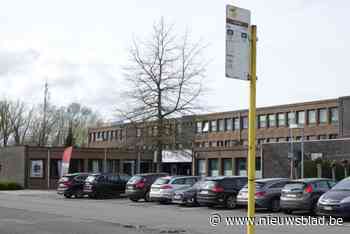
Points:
(7, 185)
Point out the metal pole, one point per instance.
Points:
(302, 154)
(48, 168)
(252, 133)
(292, 154)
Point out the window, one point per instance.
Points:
(199, 127)
(281, 119)
(237, 124)
(138, 132)
(213, 126)
(155, 131)
(291, 118)
(213, 167)
(179, 128)
(322, 116)
(245, 122)
(201, 167)
(228, 124)
(227, 167)
(262, 121)
(334, 115)
(272, 120)
(301, 117)
(221, 125)
(205, 126)
(322, 137)
(121, 134)
(311, 117)
(333, 136)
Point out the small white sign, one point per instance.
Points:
(237, 43)
(315, 156)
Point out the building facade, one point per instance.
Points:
(219, 140)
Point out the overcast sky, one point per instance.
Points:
(80, 47)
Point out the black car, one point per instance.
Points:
(138, 186)
(187, 196)
(221, 190)
(303, 194)
(336, 202)
(72, 185)
(102, 185)
(267, 193)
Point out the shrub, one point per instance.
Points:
(8, 185)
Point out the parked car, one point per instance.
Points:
(138, 187)
(267, 193)
(163, 188)
(336, 202)
(102, 185)
(187, 196)
(221, 190)
(303, 194)
(72, 185)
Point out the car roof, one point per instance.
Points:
(267, 180)
(309, 180)
(178, 177)
(76, 174)
(150, 174)
(225, 177)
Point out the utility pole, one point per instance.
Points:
(46, 97)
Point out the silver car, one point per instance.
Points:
(163, 188)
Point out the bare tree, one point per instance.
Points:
(5, 122)
(20, 117)
(165, 76)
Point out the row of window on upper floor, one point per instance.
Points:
(230, 143)
(310, 117)
(116, 135)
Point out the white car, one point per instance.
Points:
(163, 188)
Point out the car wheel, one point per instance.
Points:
(79, 194)
(147, 197)
(275, 205)
(287, 211)
(67, 195)
(133, 199)
(231, 202)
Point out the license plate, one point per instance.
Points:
(177, 196)
(328, 208)
(291, 195)
(244, 195)
(204, 192)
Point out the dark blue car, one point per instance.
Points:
(336, 202)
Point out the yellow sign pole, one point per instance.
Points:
(252, 133)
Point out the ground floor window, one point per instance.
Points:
(227, 162)
(95, 165)
(241, 166)
(55, 168)
(201, 167)
(213, 167)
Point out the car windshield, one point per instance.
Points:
(162, 181)
(294, 186)
(90, 179)
(134, 179)
(342, 185)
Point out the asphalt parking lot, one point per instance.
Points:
(42, 212)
